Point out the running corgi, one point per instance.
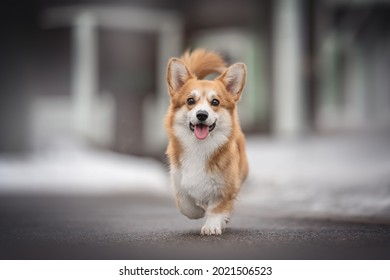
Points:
(206, 149)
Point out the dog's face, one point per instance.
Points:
(204, 108)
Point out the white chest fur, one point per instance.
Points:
(193, 178)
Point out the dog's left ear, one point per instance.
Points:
(234, 79)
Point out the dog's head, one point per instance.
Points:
(204, 107)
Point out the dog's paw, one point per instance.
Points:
(210, 230)
(214, 225)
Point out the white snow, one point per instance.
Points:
(81, 170)
(341, 175)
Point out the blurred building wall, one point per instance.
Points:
(354, 61)
(120, 52)
(97, 72)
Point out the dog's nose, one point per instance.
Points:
(202, 115)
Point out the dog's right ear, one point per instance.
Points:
(177, 75)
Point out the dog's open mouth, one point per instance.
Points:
(202, 130)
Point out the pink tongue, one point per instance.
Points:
(201, 131)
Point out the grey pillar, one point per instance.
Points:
(84, 76)
(288, 89)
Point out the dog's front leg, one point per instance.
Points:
(218, 216)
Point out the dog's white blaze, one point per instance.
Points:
(192, 178)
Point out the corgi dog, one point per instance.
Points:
(206, 149)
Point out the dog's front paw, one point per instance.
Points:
(211, 230)
(214, 225)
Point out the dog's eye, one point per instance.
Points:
(190, 101)
(215, 102)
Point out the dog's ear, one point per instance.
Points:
(177, 75)
(234, 79)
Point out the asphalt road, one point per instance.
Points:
(150, 227)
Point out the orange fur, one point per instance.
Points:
(227, 159)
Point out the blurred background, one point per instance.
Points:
(83, 96)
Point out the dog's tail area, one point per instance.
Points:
(202, 63)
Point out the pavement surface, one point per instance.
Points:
(144, 226)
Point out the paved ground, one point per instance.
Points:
(150, 227)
